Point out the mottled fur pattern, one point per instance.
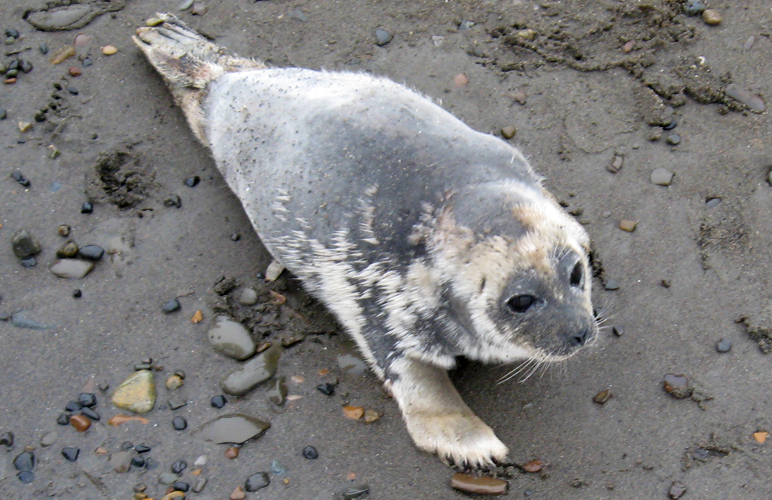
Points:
(427, 240)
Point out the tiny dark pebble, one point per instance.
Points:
(611, 285)
(73, 406)
(63, 230)
(724, 345)
(31, 262)
(235, 237)
(142, 448)
(665, 283)
(91, 414)
(77, 293)
(181, 486)
(218, 401)
(326, 389)
(24, 461)
(91, 252)
(87, 399)
(18, 177)
(179, 423)
(672, 124)
(7, 439)
(618, 330)
(257, 481)
(127, 445)
(674, 139)
(26, 476)
(12, 32)
(86, 208)
(3, 114)
(43, 48)
(171, 306)
(70, 453)
(63, 419)
(40, 116)
(192, 181)
(25, 66)
(138, 461)
(14, 65)
(179, 466)
(602, 397)
(310, 453)
(176, 404)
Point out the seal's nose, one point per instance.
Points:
(580, 338)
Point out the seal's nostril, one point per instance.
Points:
(577, 275)
(579, 338)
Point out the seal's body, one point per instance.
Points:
(427, 240)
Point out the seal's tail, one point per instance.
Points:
(188, 62)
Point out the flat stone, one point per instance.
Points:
(481, 485)
(382, 37)
(712, 17)
(71, 268)
(137, 393)
(257, 481)
(257, 370)
(661, 176)
(724, 345)
(751, 101)
(508, 132)
(234, 428)
(49, 438)
(167, 478)
(628, 225)
(121, 461)
(231, 338)
(677, 386)
(24, 245)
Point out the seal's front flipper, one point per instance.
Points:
(438, 419)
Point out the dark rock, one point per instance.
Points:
(382, 37)
(88, 412)
(179, 466)
(77, 293)
(257, 481)
(618, 330)
(7, 439)
(87, 399)
(24, 245)
(73, 406)
(18, 177)
(674, 139)
(127, 445)
(310, 453)
(611, 285)
(91, 252)
(142, 448)
(63, 419)
(218, 401)
(26, 476)
(70, 453)
(192, 181)
(181, 486)
(179, 423)
(138, 461)
(171, 306)
(326, 389)
(87, 207)
(24, 461)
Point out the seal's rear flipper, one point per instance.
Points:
(188, 62)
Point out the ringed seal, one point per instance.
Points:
(427, 239)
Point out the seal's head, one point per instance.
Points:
(518, 272)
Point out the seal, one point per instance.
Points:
(427, 240)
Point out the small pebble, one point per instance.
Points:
(63, 419)
(661, 176)
(200, 484)
(171, 306)
(137, 393)
(694, 7)
(24, 245)
(326, 389)
(674, 139)
(6, 439)
(18, 177)
(751, 101)
(174, 382)
(310, 453)
(248, 297)
(109, 50)
(138, 461)
(231, 338)
(355, 492)
(86, 208)
(712, 17)
(673, 123)
(724, 345)
(31, 262)
(197, 317)
(192, 181)
(602, 397)
(48, 439)
(93, 253)
(238, 494)
(460, 80)
(26, 476)
(628, 225)
(199, 9)
(179, 423)
(181, 486)
(87, 62)
(91, 414)
(534, 465)
(235, 237)
(618, 330)
(481, 485)
(167, 478)
(3, 113)
(233, 429)
(24, 461)
(179, 466)
(677, 386)
(74, 71)
(121, 461)
(73, 406)
(611, 285)
(353, 412)
(81, 423)
(184, 5)
(173, 201)
(68, 250)
(232, 452)
(142, 448)
(218, 401)
(382, 37)
(713, 202)
(371, 416)
(628, 46)
(63, 230)
(616, 163)
(508, 132)
(760, 436)
(677, 490)
(70, 453)
(254, 372)
(257, 481)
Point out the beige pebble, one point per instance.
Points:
(24, 126)
(371, 416)
(527, 34)
(353, 412)
(460, 80)
(174, 382)
(628, 225)
(154, 21)
(628, 47)
(712, 17)
(509, 131)
(174, 495)
(137, 393)
(109, 50)
(238, 494)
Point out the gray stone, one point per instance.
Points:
(234, 428)
(71, 268)
(199, 485)
(259, 369)
(24, 245)
(248, 297)
(48, 439)
(229, 337)
(382, 37)
(121, 461)
(661, 176)
(167, 478)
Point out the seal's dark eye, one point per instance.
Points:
(521, 303)
(577, 274)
